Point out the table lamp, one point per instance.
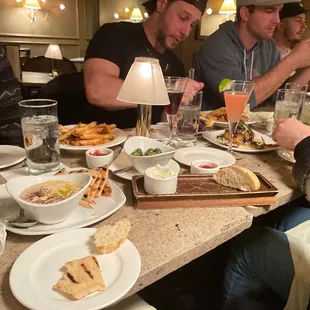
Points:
(53, 52)
(145, 86)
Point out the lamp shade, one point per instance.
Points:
(32, 4)
(144, 83)
(53, 51)
(228, 7)
(136, 15)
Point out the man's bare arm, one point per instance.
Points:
(267, 84)
(102, 84)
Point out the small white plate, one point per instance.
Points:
(158, 132)
(225, 124)
(82, 217)
(11, 155)
(211, 136)
(187, 155)
(286, 156)
(128, 174)
(40, 266)
(121, 136)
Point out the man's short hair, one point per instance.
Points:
(251, 9)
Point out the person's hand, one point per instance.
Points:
(288, 132)
(300, 56)
(194, 85)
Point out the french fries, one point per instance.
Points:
(86, 134)
(98, 187)
(220, 115)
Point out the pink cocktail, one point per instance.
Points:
(235, 103)
(236, 97)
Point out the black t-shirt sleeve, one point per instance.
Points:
(108, 43)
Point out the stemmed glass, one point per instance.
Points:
(236, 98)
(175, 88)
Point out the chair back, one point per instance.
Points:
(43, 64)
(73, 107)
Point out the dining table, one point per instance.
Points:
(167, 239)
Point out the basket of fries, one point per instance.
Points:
(86, 134)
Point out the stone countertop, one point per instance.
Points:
(168, 239)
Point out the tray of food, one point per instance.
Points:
(231, 186)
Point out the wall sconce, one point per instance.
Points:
(228, 7)
(34, 6)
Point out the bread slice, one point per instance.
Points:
(108, 238)
(238, 177)
(82, 277)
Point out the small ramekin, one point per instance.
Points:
(195, 169)
(159, 186)
(99, 161)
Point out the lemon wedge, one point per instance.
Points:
(225, 85)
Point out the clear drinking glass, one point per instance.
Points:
(288, 103)
(304, 115)
(40, 131)
(295, 86)
(236, 98)
(188, 118)
(175, 88)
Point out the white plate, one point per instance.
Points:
(82, 217)
(11, 155)
(286, 156)
(187, 155)
(158, 132)
(225, 124)
(121, 136)
(128, 174)
(211, 137)
(40, 266)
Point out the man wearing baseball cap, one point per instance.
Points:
(245, 50)
(114, 47)
(291, 28)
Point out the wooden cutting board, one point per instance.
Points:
(202, 191)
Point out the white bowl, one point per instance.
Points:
(195, 169)
(159, 186)
(141, 163)
(49, 213)
(99, 161)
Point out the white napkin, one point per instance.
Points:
(2, 237)
(122, 161)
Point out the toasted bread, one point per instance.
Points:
(82, 277)
(238, 177)
(108, 238)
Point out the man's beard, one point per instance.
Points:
(161, 38)
(292, 41)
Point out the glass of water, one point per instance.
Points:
(40, 131)
(188, 118)
(304, 115)
(288, 103)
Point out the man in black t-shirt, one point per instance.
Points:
(114, 47)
